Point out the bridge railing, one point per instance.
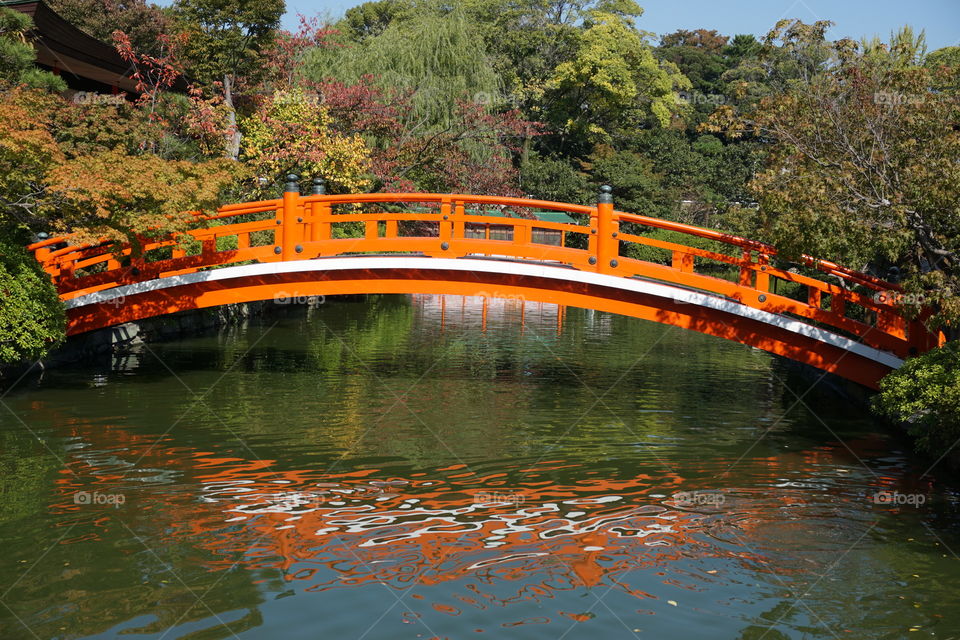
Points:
(304, 227)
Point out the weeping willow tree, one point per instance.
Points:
(437, 56)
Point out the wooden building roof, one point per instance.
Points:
(84, 62)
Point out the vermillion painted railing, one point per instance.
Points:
(302, 227)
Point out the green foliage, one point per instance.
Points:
(663, 256)
(905, 49)
(437, 58)
(612, 79)
(227, 37)
(700, 57)
(542, 34)
(637, 188)
(17, 56)
(946, 60)
(925, 394)
(370, 19)
(823, 191)
(791, 54)
(13, 22)
(947, 56)
(546, 178)
(708, 145)
(142, 21)
(699, 176)
(32, 317)
(743, 46)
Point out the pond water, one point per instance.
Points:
(425, 467)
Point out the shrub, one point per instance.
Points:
(32, 317)
(925, 394)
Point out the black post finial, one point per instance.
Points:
(606, 194)
(293, 183)
(319, 186)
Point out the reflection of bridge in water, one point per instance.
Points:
(340, 530)
(459, 311)
(492, 539)
(292, 248)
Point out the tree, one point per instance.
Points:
(31, 316)
(947, 57)
(613, 82)
(143, 22)
(542, 34)
(290, 132)
(370, 19)
(702, 64)
(226, 43)
(445, 160)
(284, 60)
(905, 49)
(709, 41)
(420, 92)
(792, 54)
(864, 171)
(436, 58)
(122, 197)
(546, 178)
(86, 169)
(744, 45)
(637, 187)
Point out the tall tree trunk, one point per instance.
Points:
(232, 142)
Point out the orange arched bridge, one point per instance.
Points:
(815, 312)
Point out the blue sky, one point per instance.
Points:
(855, 18)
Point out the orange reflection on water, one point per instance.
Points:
(349, 529)
(518, 525)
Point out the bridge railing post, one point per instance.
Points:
(746, 269)
(762, 278)
(289, 217)
(446, 224)
(138, 258)
(607, 232)
(41, 255)
(459, 225)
